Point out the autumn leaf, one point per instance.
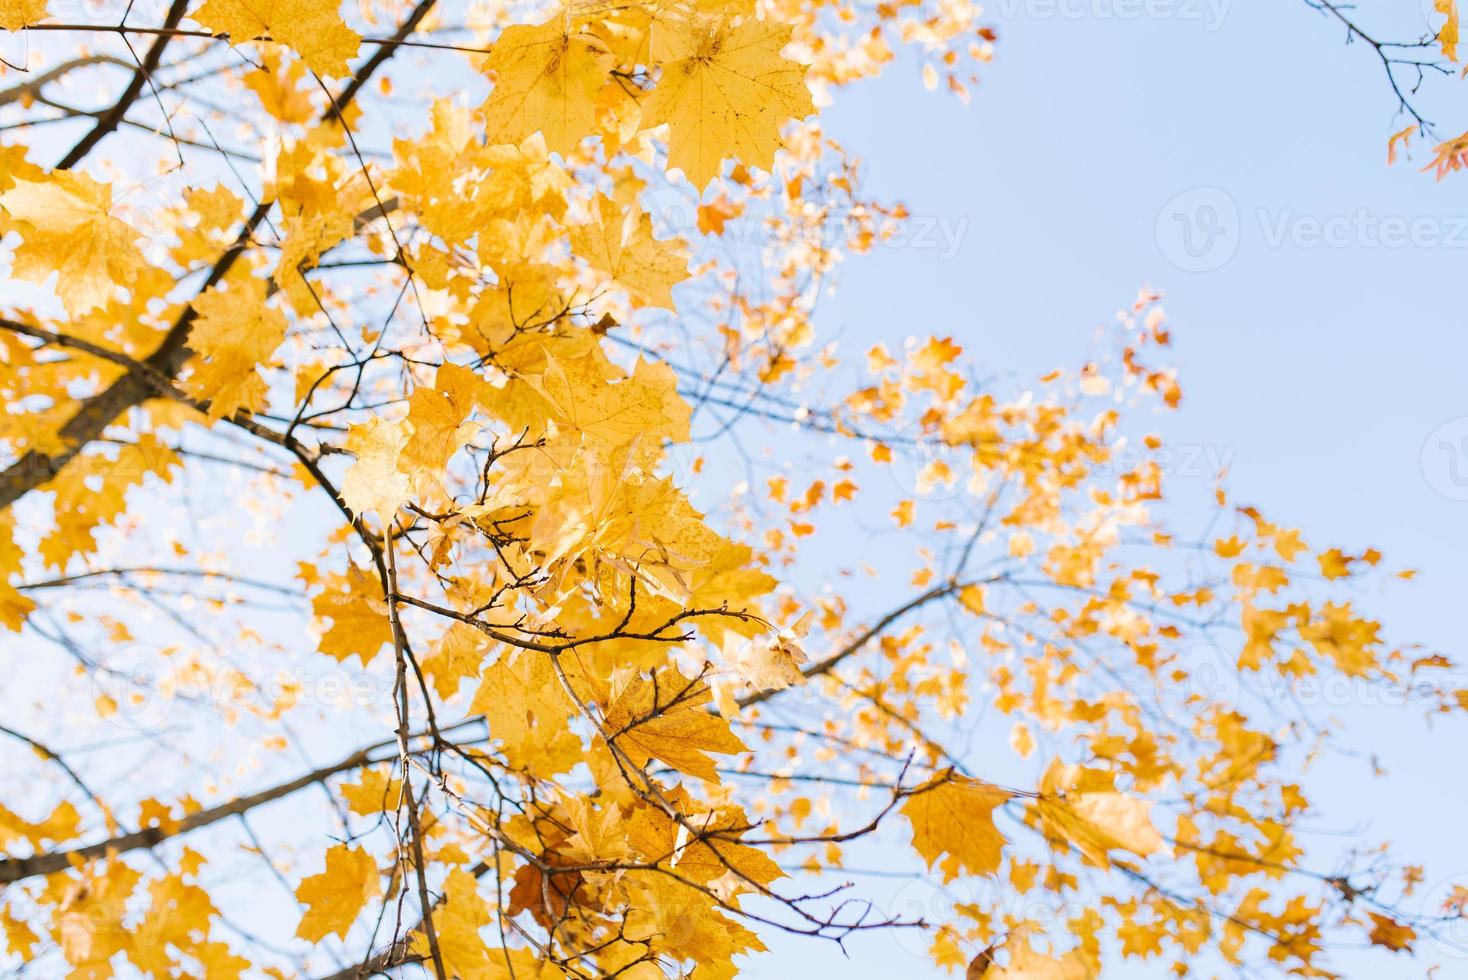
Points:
(14, 607)
(438, 415)
(457, 656)
(529, 708)
(281, 86)
(664, 719)
(314, 30)
(374, 484)
(953, 815)
(374, 792)
(769, 663)
(570, 392)
(457, 924)
(358, 615)
(1388, 932)
(1026, 963)
(67, 226)
(1449, 156)
(1404, 137)
(621, 246)
(546, 78)
(1080, 807)
(684, 923)
(335, 897)
(234, 333)
(725, 91)
(15, 14)
(1447, 35)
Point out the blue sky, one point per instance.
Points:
(1318, 359)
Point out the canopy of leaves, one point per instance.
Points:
(429, 502)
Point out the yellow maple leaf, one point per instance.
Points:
(724, 92)
(457, 924)
(219, 961)
(359, 623)
(14, 607)
(337, 896)
(684, 923)
(92, 492)
(526, 709)
(1082, 807)
(66, 226)
(622, 247)
(178, 911)
(1447, 36)
(1349, 640)
(90, 921)
(1388, 932)
(601, 835)
(652, 832)
(20, 938)
(437, 415)
(1025, 963)
(312, 29)
(15, 14)
(233, 334)
(953, 815)
(306, 235)
(665, 720)
(457, 654)
(280, 86)
(572, 391)
(546, 79)
(374, 793)
(373, 483)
